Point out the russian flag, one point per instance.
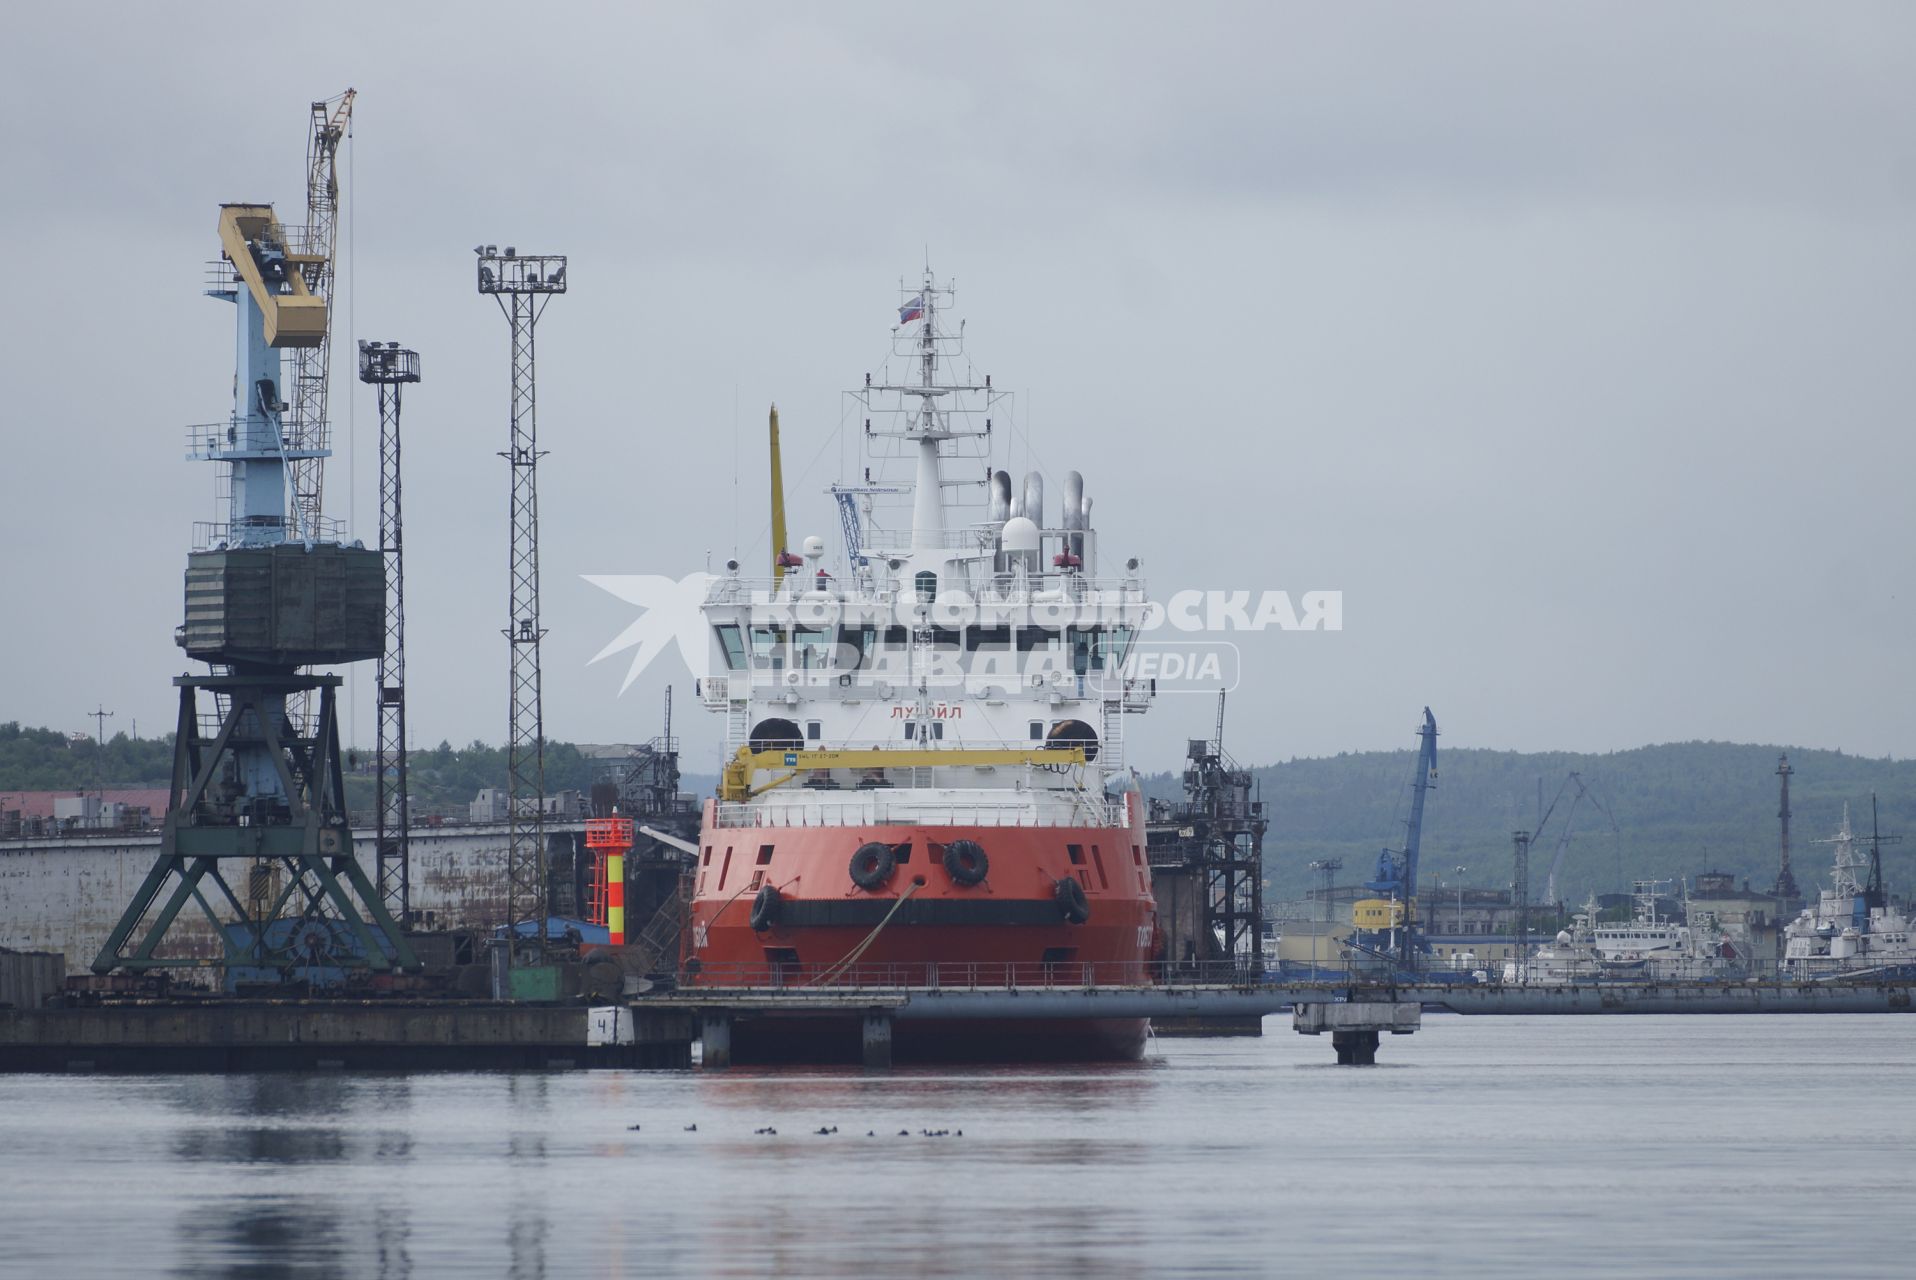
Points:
(912, 310)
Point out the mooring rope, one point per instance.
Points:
(851, 957)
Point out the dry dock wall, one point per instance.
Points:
(66, 895)
(234, 1035)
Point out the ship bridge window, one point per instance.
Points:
(944, 638)
(733, 643)
(926, 583)
(768, 648)
(1082, 645)
(987, 639)
(855, 647)
(897, 637)
(1087, 645)
(1030, 638)
(810, 646)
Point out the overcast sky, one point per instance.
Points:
(1573, 344)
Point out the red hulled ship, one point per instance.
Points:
(925, 781)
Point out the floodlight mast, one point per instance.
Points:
(523, 285)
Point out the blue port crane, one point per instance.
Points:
(1395, 877)
(851, 523)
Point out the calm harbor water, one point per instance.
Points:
(1484, 1147)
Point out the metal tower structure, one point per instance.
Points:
(1218, 829)
(523, 285)
(1875, 895)
(1785, 889)
(1328, 869)
(307, 429)
(252, 782)
(1520, 896)
(390, 367)
(99, 715)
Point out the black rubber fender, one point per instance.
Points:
(873, 865)
(966, 863)
(765, 909)
(1072, 902)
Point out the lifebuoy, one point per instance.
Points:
(872, 865)
(1072, 903)
(765, 909)
(965, 862)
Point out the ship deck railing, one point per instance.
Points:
(969, 976)
(880, 807)
(716, 692)
(905, 977)
(1049, 587)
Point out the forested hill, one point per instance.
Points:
(444, 779)
(1679, 808)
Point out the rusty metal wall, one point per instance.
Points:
(66, 895)
(28, 977)
(1180, 894)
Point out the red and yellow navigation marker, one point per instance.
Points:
(610, 839)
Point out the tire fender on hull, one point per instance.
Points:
(966, 863)
(1073, 905)
(765, 909)
(873, 865)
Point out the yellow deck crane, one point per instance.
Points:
(737, 782)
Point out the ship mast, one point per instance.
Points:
(928, 493)
(928, 413)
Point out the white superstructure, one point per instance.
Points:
(964, 615)
(1654, 947)
(1852, 928)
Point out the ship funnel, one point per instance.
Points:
(1072, 518)
(1000, 510)
(1034, 498)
